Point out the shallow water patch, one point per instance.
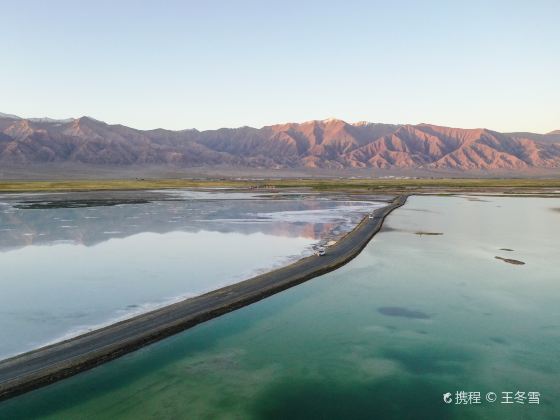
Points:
(402, 312)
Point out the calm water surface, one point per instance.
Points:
(73, 262)
(412, 317)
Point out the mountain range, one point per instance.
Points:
(327, 144)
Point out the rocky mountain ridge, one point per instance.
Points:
(331, 144)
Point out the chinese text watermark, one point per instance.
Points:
(504, 397)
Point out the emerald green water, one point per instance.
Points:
(412, 317)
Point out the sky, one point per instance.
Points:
(210, 64)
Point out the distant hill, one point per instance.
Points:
(327, 144)
(552, 137)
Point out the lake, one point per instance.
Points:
(424, 310)
(74, 262)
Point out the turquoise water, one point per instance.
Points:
(411, 318)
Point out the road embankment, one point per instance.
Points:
(52, 363)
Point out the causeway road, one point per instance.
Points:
(52, 363)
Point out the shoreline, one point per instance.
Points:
(49, 364)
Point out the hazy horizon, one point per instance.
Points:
(214, 65)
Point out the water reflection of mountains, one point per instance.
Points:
(92, 225)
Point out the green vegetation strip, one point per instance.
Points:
(406, 185)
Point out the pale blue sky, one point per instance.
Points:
(209, 64)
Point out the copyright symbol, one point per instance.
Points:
(491, 397)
